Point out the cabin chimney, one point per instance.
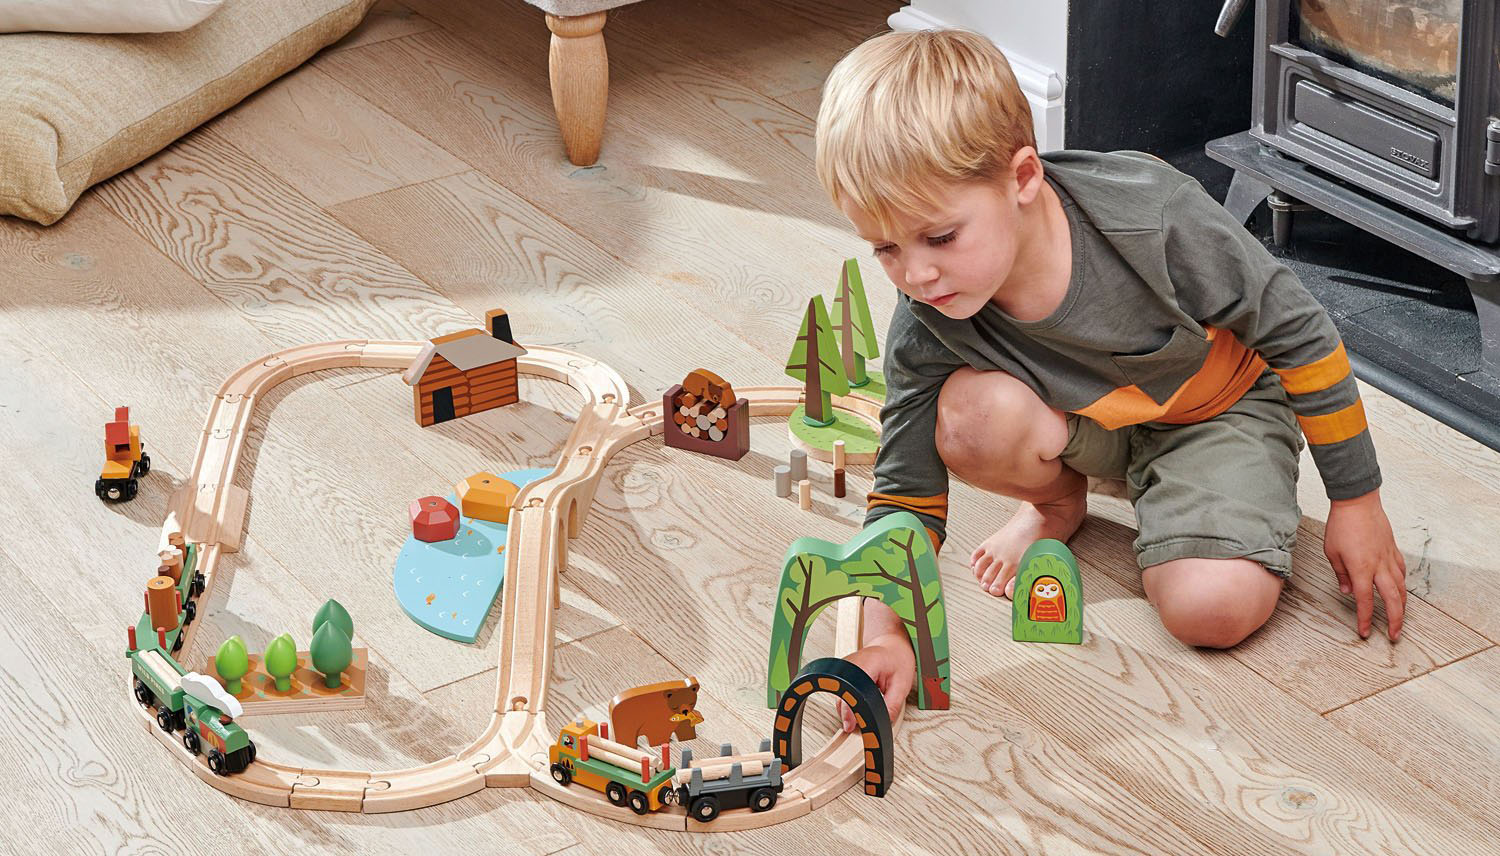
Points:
(499, 324)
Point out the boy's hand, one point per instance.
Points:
(889, 660)
(1362, 549)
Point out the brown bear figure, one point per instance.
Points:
(656, 710)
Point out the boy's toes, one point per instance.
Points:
(996, 584)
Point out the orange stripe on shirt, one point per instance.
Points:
(1334, 427)
(1317, 375)
(934, 506)
(1229, 370)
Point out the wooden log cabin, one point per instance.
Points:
(465, 372)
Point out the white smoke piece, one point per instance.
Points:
(205, 687)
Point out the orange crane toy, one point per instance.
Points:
(124, 460)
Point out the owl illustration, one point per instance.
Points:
(1048, 603)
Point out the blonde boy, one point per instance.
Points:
(1086, 314)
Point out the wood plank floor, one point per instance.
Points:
(411, 177)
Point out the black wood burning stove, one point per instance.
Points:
(1384, 113)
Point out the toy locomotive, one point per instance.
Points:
(124, 459)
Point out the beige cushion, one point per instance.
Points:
(76, 109)
(567, 8)
(104, 16)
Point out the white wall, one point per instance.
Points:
(1033, 34)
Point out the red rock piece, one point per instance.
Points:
(433, 519)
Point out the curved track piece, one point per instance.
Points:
(512, 749)
(850, 683)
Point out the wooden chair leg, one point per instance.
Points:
(579, 69)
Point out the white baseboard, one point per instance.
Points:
(1042, 86)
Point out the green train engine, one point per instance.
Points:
(210, 730)
(196, 705)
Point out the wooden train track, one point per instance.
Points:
(512, 749)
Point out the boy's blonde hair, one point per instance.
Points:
(905, 113)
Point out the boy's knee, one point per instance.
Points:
(1212, 603)
(984, 414)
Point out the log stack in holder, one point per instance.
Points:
(703, 415)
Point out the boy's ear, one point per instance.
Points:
(1026, 170)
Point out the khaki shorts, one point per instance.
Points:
(1221, 489)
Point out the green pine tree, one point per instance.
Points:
(852, 322)
(815, 361)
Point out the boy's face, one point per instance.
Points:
(957, 256)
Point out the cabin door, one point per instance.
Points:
(442, 404)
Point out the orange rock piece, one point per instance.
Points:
(486, 496)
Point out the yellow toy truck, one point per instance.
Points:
(626, 775)
(125, 460)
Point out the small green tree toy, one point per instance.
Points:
(816, 362)
(852, 322)
(331, 652)
(281, 661)
(332, 610)
(232, 661)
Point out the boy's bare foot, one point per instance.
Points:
(995, 561)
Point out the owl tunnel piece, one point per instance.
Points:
(850, 683)
(1048, 602)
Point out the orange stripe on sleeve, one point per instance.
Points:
(935, 506)
(1317, 375)
(1334, 427)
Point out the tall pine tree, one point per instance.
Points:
(815, 362)
(851, 321)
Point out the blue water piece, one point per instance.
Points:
(449, 586)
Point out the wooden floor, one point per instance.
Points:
(410, 178)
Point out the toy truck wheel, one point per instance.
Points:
(762, 799)
(191, 742)
(615, 793)
(639, 803)
(113, 490)
(143, 693)
(216, 763)
(189, 612)
(166, 720)
(145, 464)
(199, 583)
(704, 809)
(561, 775)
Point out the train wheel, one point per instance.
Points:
(615, 793)
(199, 583)
(762, 799)
(638, 802)
(177, 643)
(145, 464)
(131, 486)
(166, 720)
(191, 742)
(216, 762)
(250, 755)
(143, 693)
(189, 612)
(704, 809)
(561, 775)
(110, 490)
